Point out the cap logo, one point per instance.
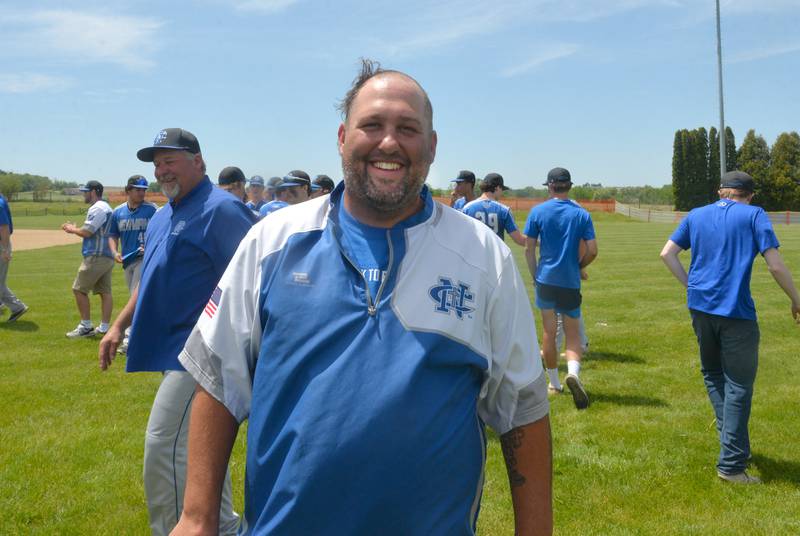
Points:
(160, 137)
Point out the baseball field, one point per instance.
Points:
(640, 460)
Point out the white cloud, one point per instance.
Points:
(31, 83)
(83, 37)
(264, 6)
(764, 52)
(545, 55)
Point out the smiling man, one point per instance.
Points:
(188, 244)
(369, 419)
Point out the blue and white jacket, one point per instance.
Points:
(366, 413)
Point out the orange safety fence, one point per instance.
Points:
(526, 203)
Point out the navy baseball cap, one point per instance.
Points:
(324, 182)
(257, 180)
(738, 180)
(295, 177)
(138, 182)
(230, 175)
(465, 176)
(493, 180)
(170, 138)
(92, 186)
(558, 174)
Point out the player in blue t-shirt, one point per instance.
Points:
(464, 189)
(557, 227)
(724, 238)
(487, 209)
(255, 193)
(7, 298)
(294, 188)
(128, 225)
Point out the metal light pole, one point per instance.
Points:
(722, 166)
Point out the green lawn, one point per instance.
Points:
(640, 460)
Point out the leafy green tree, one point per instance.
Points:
(784, 172)
(730, 150)
(679, 173)
(713, 163)
(9, 185)
(753, 158)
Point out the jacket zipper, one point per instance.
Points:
(372, 307)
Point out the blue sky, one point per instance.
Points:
(518, 87)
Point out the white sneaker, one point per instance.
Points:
(123, 348)
(80, 332)
(99, 331)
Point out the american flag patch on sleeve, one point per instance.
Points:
(213, 303)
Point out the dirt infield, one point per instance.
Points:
(23, 239)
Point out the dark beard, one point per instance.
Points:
(360, 187)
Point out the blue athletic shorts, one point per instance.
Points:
(566, 301)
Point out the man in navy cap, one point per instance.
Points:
(464, 189)
(725, 237)
(94, 274)
(188, 245)
(255, 193)
(232, 179)
(322, 185)
(557, 228)
(128, 225)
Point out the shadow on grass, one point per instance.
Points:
(627, 400)
(773, 470)
(19, 325)
(614, 357)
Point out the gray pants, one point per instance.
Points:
(7, 297)
(133, 273)
(165, 456)
(560, 333)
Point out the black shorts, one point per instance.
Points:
(561, 298)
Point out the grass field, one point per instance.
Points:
(640, 460)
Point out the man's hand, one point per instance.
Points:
(796, 312)
(584, 274)
(186, 527)
(118, 257)
(68, 227)
(109, 345)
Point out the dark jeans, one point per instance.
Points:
(729, 359)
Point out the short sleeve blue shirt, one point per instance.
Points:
(272, 206)
(256, 206)
(496, 215)
(724, 238)
(187, 247)
(460, 202)
(559, 225)
(5, 214)
(129, 226)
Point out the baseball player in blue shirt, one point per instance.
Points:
(94, 274)
(490, 211)
(7, 298)
(255, 193)
(428, 337)
(724, 238)
(557, 228)
(188, 244)
(464, 189)
(128, 225)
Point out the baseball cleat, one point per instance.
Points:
(739, 478)
(579, 395)
(80, 332)
(14, 316)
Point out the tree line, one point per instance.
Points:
(11, 183)
(696, 167)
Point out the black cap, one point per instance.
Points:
(324, 182)
(170, 138)
(273, 183)
(137, 181)
(558, 174)
(296, 177)
(492, 181)
(465, 176)
(738, 180)
(231, 174)
(92, 186)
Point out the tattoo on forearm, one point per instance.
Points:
(510, 442)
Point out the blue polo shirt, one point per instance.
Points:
(559, 225)
(187, 247)
(5, 214)
(460, 202)
(496, 215)
(271, 207)
(129, 227)
(256, 206)
(724, 238)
